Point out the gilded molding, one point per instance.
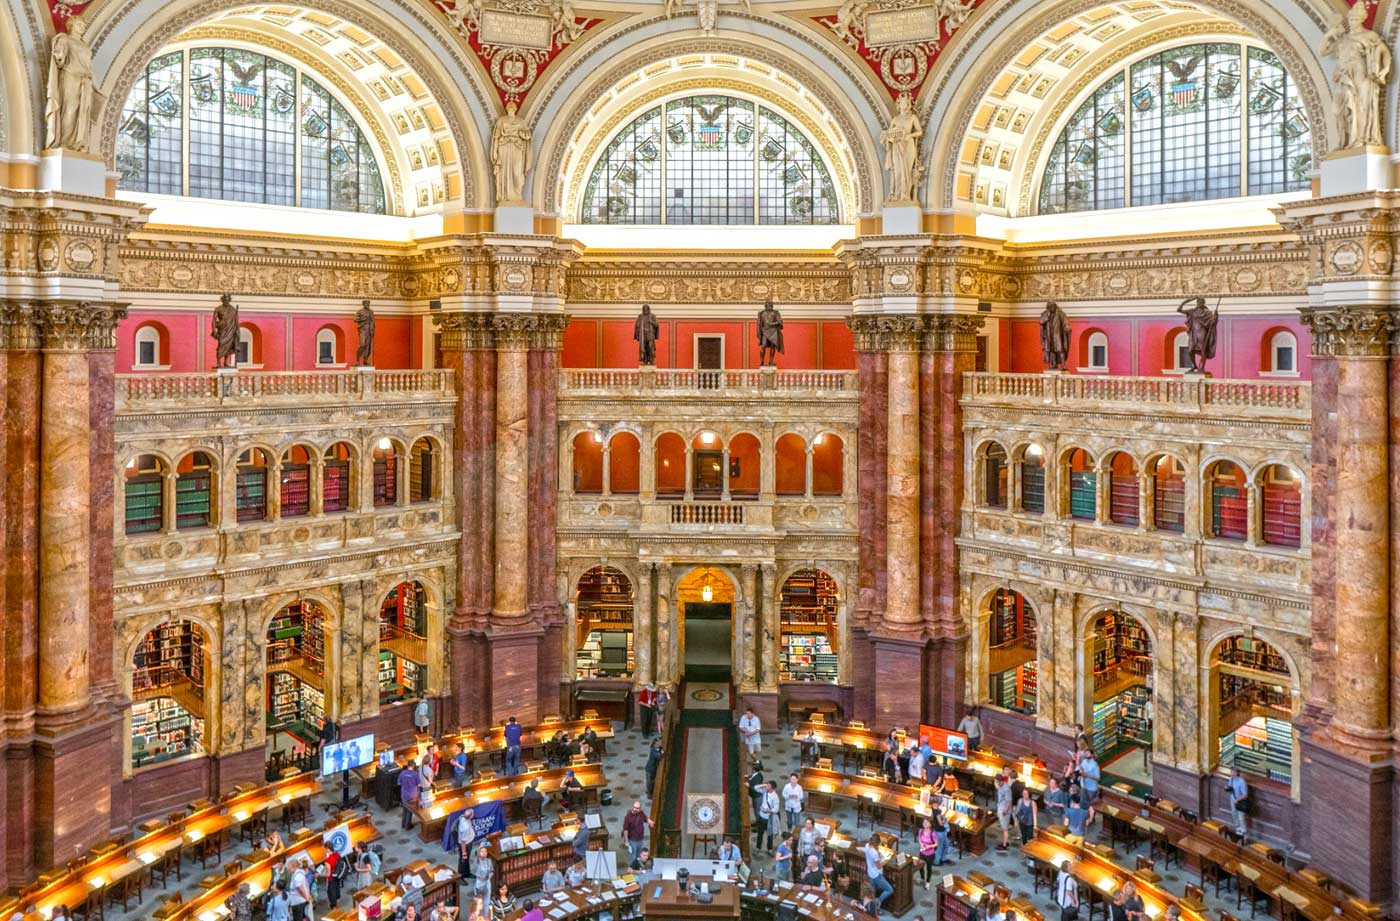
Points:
(952, 333)
(79, 327)
(19, 328)
(677, 281)
(548, 334)
(515, 332)
(465, 332)
(1350, 332)
(888, 332)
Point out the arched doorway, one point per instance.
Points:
(403, 643)
(1253, 695)
(168, 707)
(606, 647)
(1120, 726)
(810, 644)
(706, 599)
(1011, 655)
(297, 679)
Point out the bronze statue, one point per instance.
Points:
(1054, 337)
(1200, 331)
(770, 333)
(224, 332)
(645, 331)
(364, 326)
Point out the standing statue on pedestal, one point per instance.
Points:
(69, 106)
(1200, 331)
(364, 326)
(770, 334)
(901, 141)
(510, 156)
(1363, 64)
(1054, 337)
(224, 332)
(645, 331)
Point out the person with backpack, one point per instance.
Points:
(1067, 893)
(337, 870)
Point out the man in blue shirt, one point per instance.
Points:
(459, 765)
(1089, 775)
(409, 780)
(513, 732)
(1239, 800)
(1076, 817)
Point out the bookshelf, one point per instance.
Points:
(995, 483)
(193, 493)
(1229, 512)
(807, 657)
(386, 479)
(296, 637)
(606, 654)
(335, 486)
(1082, 486)
(1105, 728)
(1015, 688)
(282, 700)
(1135, 716)
(1120, 648)
(1169, 502)
(1247, 652)
(295, 498)
(1283, 514)
(403, 647)
(144, 505)
(1123, 499)
(251, 493)
(605, 597)
(1263, 746)
(171, 654)
(807, 615)
(161, 729)
(1033, 486)
(1012, 621)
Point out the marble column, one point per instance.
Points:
(665, 626)
(512, 467)
(346, 702)
(1062, 701)
(772, 629)
(642, 627)
(748, 632)
(902, 606)
(1187, 707)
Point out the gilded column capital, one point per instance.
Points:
(1349, 332)
(79, 327)
(19, 328)
(515, 332)
(548, 335)
(887, 332)
(953, 332)
(465, 332)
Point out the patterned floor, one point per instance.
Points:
(624, 767)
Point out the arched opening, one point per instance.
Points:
(670, 466)
(605, 637)
(248, 352)
(168, 707)
(588, 463)
(1011, 655)
(336, 487)
(1281, 494)
(251, 498)
(1254, 695)
(328, 350)
(150, 351)
(1280, 354)
(994, 476)
(296, 483)
(422, 461)
(1177, 346)
(297, 679)
(1093, 355)
(790, 465)
(1121, 652)
(1168, 494)
(1083, 485)
(144, 494)
(194, 491)
(706, 597)
(1122, 489)
(624, 464)
(386, 473)
(744, 470)
(403, 643)
(1033, 480)
(810, 634)
(1229, 501)
(828, 460)
(707, 465)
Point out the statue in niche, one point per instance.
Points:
(901, 141)
(645, 331)
(1363, 64)
(510, 156)
(1200, 331)
(70, 103)
(364, 327)
(1054, 337)
(770, 333)
(224, 332)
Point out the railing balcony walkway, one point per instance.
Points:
(155, 392)
(733, 382)
(1201, 396)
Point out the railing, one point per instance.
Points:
(1291, 399)
(612, 381)
(707, 513)
(183, 391)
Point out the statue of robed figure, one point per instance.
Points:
(645, 331)
(364, 327)
(224, 332)
(770, 334)
(1054, 337)
(1201, 322)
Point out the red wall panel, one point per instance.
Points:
(838, 346)
(732, 331)
(181, 334)
(580, 345)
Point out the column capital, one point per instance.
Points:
(19, 327)
(465, 332)
(952, 332)
(748, 570)
(548, 335)
(887, 332)
(79, 327)
(1350, 332)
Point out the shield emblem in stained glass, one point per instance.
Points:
(1295, 127)
(202, 87)
(710, 137)
(1225, 84)
(743, 133)
(771, 149)
(648, 150)
(1184, 88)
(340, 155)
(245, 97)
(627, 174)
(793, 173)
(165, 102)
(1143, 99)
(1185, 93)
(1264, 100)
(1110, 123)
(137, 128)
(315, 124)
(676, 133)
(281, 100)
(1085, 154)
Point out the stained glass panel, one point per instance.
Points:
(1085, 171)
(625, 187)
(1280, 141)
(148, 155)
(794, 186)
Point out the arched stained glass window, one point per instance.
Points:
(246, 133)
(710, 160)
(1185, 115)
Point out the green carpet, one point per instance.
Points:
(673, 817)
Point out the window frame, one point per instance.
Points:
(1095, 339)
(1281, 339)
(148, 334)
(328, 335)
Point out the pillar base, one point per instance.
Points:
(898, 677)
(67, 824)
(470, 677)
(1349, 808)
(514, 670)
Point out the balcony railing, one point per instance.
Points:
(737, 382)
(1194, 395)
(136, 392)
(707, 513)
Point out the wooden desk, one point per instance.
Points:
(980, 773)
(586, 902)
(859, 746)
(663, 900)
(814, 904)
(506, 789)
(846, 853)
(1101, 876)
(390, 894)
(969, 824)
(492, 742)
(526, 867)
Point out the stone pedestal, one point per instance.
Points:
(513, 663)
(903, 218)
(898, 677)
(70, 171)
(1350, 814)
(1361, 169)
(515, 219)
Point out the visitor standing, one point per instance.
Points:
(654, 754)
(750, 730)
(646, 704)
(928, 849)
(769, 808)
(1004, 803)
(423, 716)
(1067, 893)
(794, 799)
(513, 732)
(1239, 801)
(971, 727)
(409, 782)
(875, 872)
(1026, 815)
(634, 829)
(460, 770)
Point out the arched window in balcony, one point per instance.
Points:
(1281, 357)
(624, 464)
(994, 476)
(336, 476)
(386, 473)
(1168, 494)
(1281, 498)
(328, 349)
(403, 643)
(168, 693)
(194, 491)
(248, 352)
(604, 606)
(588, 463)
(150, 352)
(251, 498)
(422, 460)
(1229, 501)
(807, 613)
(670, 465)
(745, 474)
(790, 465)
(1033, 479)
(296, 483)
(1122, 489)
(827, 464)
(1179, 351)
(707, 465)
(144, 494)
(1083, 485)
(1095, 355)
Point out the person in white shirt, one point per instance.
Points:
(768, 809)
(729, 851)
(749, 729)
(794, 797)
(299, 892)
(1067, 893)
(971, 727)
(916, 764)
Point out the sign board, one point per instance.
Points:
(516, 30)
(901, 27)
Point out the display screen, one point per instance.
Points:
(346, 755)
(945, 742)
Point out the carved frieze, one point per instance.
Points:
(79, 327)
(680, 282)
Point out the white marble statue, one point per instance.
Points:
(69, 106)
(955, 12)
(566, 21)
(510, 156)
(901, 141)
(849, 17)
(1363, 64)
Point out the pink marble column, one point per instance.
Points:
(512, 468)
(902, 607)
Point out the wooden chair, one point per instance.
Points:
(1212, 872)
(533, 813)
(1246, 889)
(1146, 870)
(1195, 899)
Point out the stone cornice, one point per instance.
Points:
(1350, 332)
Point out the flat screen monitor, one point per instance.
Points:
(346, 755)
(946, 743)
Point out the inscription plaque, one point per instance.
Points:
(516, 30)
(900, 27)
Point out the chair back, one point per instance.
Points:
(1145, 863)
(1195, 892)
